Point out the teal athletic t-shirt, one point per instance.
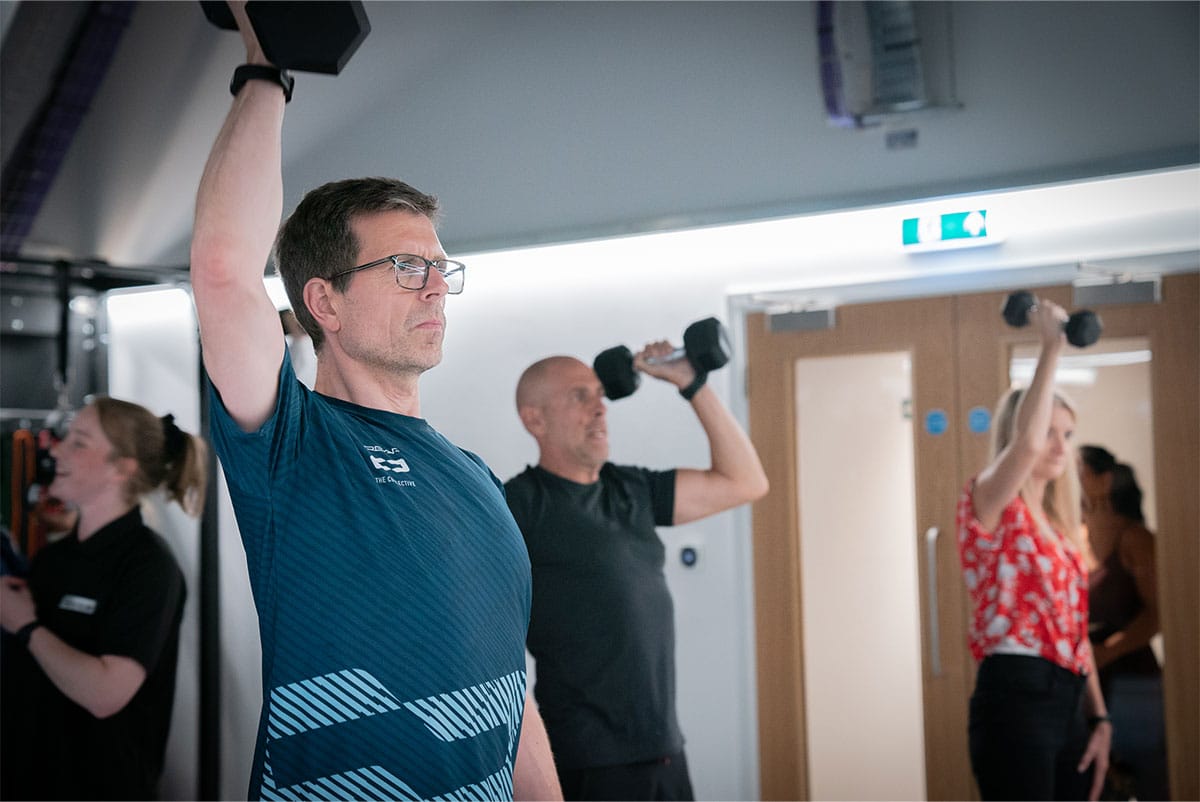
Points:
(393, 592)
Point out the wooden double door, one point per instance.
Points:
(841, 491)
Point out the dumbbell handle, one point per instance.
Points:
(678, 353)
(705, 345)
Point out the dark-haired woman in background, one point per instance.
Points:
(100, 614)
(1123, 614)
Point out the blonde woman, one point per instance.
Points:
(97, 620)
(1018, 532)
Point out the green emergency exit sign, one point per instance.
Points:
(953, 230)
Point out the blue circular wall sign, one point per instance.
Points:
(979, 419)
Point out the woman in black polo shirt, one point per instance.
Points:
(100, 613)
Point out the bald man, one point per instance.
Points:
(602, 623)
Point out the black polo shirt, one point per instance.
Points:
(120, 592)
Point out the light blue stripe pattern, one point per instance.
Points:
(371, 782)
(352, 694)
(470, 711)
(323, 701)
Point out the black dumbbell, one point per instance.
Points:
(705, 345)
(316, 36)
(1083, 327)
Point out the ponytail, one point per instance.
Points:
(185, 460)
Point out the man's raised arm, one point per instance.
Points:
(238, 208)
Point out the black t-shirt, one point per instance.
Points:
(119, 592)
(602, 624)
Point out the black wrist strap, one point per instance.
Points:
(262, 72)
(694, 387)
(24, 633)
(1093, 721)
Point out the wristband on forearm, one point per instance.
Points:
(694, 387)
(1095, 721)
(24, 633)
(262, 72)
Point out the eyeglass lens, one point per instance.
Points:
(411, 273)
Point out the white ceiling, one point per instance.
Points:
(545, 121)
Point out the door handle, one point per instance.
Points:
(931, 566)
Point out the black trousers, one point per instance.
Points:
(663, 778)
(1027, 731)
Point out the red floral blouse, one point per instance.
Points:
(1029, 591)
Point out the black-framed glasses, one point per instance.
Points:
(412, 271)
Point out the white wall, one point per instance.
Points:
(153, 361)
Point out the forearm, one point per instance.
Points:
(1093, 697)
(534, 776)
(732, 453)
(1037, 405)
(736, 475)
(1134, 636)
(1100, 741)
(101, 685)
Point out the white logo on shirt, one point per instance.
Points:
(77, 604)
(387, 463)
(396, 465)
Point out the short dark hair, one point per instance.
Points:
(317, 241)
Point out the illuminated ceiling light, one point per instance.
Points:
(1078, 369)
(1021, 373)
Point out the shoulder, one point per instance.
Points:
(477, 461)
(525, 479)
(634, 474)
(657, 487)
(55, 549)
(144, 572)
(51, 559)
(1137, 545)
(471, 455)
(966, 515)
(1013, 518)
(966, 501)
(521, 487)
(151, 555)
(288, 390)
(1015, 508)
(485, 471)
